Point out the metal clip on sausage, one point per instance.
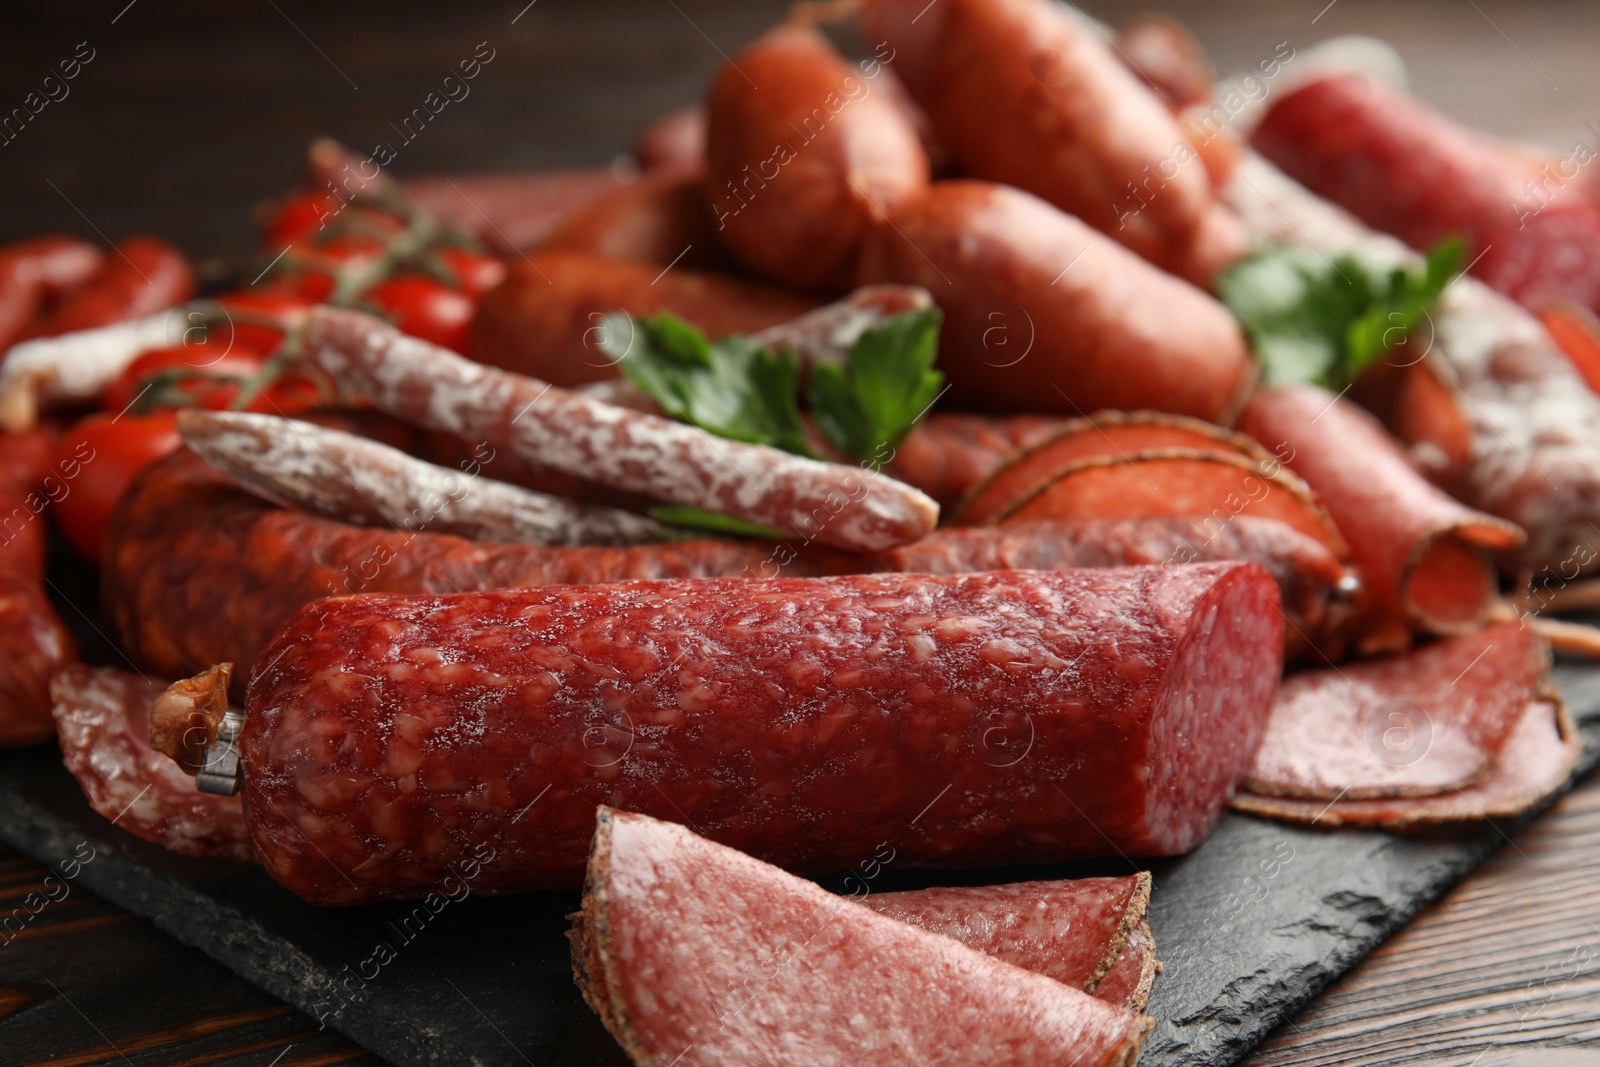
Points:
(220, 771)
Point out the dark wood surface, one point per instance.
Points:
(190, 112)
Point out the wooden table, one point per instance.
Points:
(187, 115)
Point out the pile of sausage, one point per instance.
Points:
(1050, 624)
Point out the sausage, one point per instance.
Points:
(1044, 314)
(511, 212)
(34, 644)
(102, 716)
(1428, 558)
(831, 503)
(35, 271)
(662, 219)
(799, 719)
(1028, 95)
(695, 955)
(1492, 410)
(675, 140)
(358, 480)
(1166, 57)
(199, 571)
(544, 319)
(1405, 168)
(949, 454)
(143, 275)
(804, 157)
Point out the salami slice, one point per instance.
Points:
(1431, 720)
(103, 720)
(1534, 764)
(199, 571)
(1074, 930)
(1429, 559)
(971, 719)
(707, 956)
(1106, 433)
(833, 504)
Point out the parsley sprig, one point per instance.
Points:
(738, 389)
(1312, 319)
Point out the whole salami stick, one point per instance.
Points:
(971, 719)
(76, 366)
(430, 386)
(358, 480)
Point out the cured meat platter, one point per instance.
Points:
(918, 648)
(1249, 927)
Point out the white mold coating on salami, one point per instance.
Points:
(831, 503)
(971, 719)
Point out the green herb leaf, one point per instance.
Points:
(1311, 319)
(700, 519)
(733, 387)
(868, 405)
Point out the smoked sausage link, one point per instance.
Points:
(804, 156)
(972, 719)
(544, 319)
(34, 645)
(1028, 95)
(1044, 314)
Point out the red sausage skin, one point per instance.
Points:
(971, 719)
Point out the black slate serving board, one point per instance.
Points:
(1248, 927)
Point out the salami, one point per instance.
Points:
(75, 367)
(33, 642)
(544, 319)
(1068, 713)
(661, 218)
(1425, 722)
(34, 271)
(949, 454)
(1427, 557)
(1073, 930)
(803, 157)
(1029, 96)
(1128, 982)
(696, 954)
(829, 503)
(103, 720)
(142, 276)
(1044, 314)
(675, 140)
(1534, 764)
(512, 213)
(198, 571)
(347, 477)
(1493, 410)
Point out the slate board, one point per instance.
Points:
(1248, 927)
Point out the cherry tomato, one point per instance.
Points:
(248, 311)
(476, 273)
(105, 451)
(303, 217)
(241, 381)
(425, 308)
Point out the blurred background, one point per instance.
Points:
(189, 112)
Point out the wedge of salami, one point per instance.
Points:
(103, 720)
(1128, 982)
(1425, 722)
(1427, 557)
(199, 571)
(968, 720)
(1493, 411)
(697, 954)
(832, 503)
(1073, 930)
(1533, 765)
